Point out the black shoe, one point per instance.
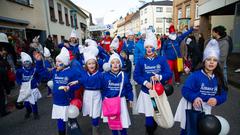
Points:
(149, 130)
(61, 132)
(27, 115)
(36, 116)
(5, 114)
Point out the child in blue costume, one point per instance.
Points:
(28, 77)
(92, 98)
(204, 87)
(62, 75)
(49, 65)
(150, 67)
(111, 82)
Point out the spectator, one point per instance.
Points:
(3, 82)
(106, 41)
(201, 41)
(50, 45)
(219, 33)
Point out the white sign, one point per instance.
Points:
(100, 27)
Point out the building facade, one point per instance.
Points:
(156, 14)
(24, 19)
(185, 13)
(30, 18)
(213, 12)
(64, 16)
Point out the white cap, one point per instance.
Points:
(25, 57)
(64, 56)
(211, 50)
(89, 56)
(115, 56)
(3, 38)
(93, 50)
(90, 42)
(73, 34)
(46, 52)
(115, 43)
(150, 39)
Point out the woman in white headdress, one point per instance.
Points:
(204, 87)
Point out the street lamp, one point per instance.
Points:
(73, 12)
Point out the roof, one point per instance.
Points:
(162, 3)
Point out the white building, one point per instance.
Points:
(157, 14)
(61, 20)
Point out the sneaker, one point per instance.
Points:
(237, 70)
(49, 96)
(177, 84)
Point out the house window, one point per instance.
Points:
(169, 10)
(76, 22)
(141, 22)
(158, 20)
(159, 30)
(60, 13)
(51, 9)
(66, 16)
(167, 30)
(71, 18)
(196, 12)
(159, 9)
(145, 20)
(168, 20)
(55, 39)
(62, 38)
(145, 10)
(188, 11)
(179, 13)
(23, 2)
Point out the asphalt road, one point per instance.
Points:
(15, 124)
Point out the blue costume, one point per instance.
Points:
(139, 51)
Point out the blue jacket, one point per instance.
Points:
(77, 67)
(91, 81)
(146, 67)
(111, 82)
(168, 45)
(130, 46)
(62, 78)
(139, 51)
(103, 54)
(198, 84)
(25, 74)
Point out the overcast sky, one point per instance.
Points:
(109, 9)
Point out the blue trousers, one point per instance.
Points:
(31, 107)
(61, 125)
(123, 132)
(95, 122)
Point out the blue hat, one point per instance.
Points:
(107, 33)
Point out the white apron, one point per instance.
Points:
(144, 104)
(180, 115)
(34, 97)
(125, 119)
(92, 103)
(60, 112)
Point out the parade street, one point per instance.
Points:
(14, 124)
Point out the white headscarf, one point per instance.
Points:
(150, 39)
